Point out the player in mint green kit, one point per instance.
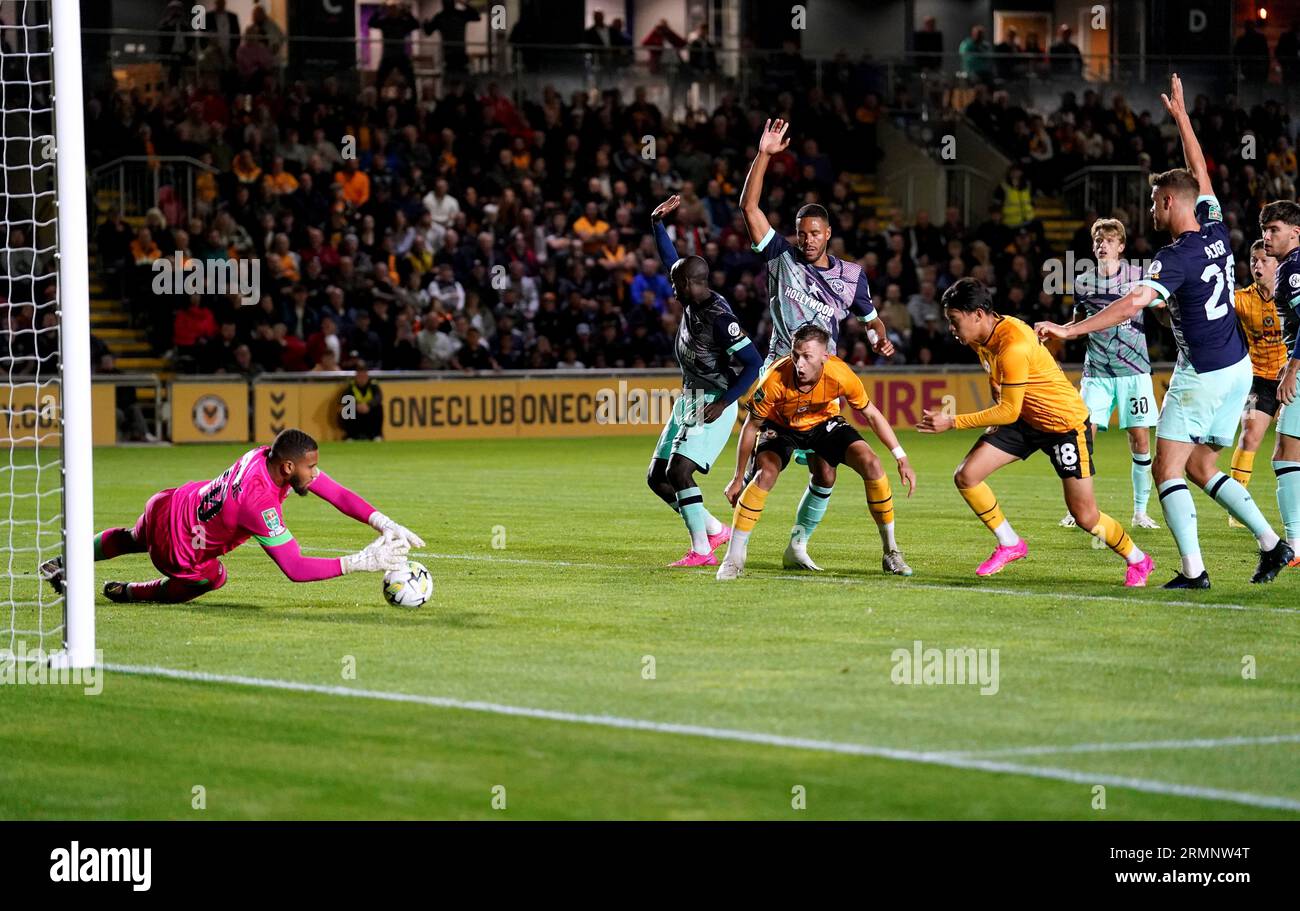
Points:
(805, 284)
(709, 337)
(1117, 367)
(1280, 223)
(1193, 276)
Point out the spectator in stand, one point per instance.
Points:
(652, 281)
(362, 414)
(702, 53)
(474, 354)
(976, 55)
(451, 23)
(1251, 51)
(193, 326)
(1066, 59)
(927, 45)
(601, 38)
(662, 35)
(394, 23)
(1287, 53)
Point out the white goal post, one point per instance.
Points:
(46, 491)
(74, 303)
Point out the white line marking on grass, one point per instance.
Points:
(1196, 743)
(832, 579)
(799, 743)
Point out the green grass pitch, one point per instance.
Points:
(552, 594)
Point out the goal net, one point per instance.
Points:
(45, 477)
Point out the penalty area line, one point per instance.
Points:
(968, 763)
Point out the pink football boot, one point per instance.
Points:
(694, 559)
(1002, 556)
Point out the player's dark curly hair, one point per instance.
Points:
(292, 444)
(812, 210)
(967, 295)
(1283, 210)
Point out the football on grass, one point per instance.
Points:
(409, 587)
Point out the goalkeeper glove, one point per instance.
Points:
(381, 555)
(387, 527)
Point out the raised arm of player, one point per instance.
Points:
(1191, 145)
(1120, 311)
(354, 506)
(772, 141)
(667, 252)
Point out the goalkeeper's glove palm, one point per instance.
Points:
(383, 554)
(387, 527)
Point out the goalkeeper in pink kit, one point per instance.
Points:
(186, 529)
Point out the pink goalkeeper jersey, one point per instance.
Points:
(211, 518)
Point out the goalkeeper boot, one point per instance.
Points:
(893, 563)
(1142, 520)
(117, 591)
(52, 572)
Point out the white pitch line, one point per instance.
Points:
(1196, 743)
(832, 579)
(1146, 785)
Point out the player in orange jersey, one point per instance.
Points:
(1037, 409)
(1257, 311)
(797, 402)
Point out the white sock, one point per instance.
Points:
(700, 542)
(711, 523)
(1267, 541)
(1135, 556)
(739, 547)
(1192, 566)
(887, 536)
(1294, 544)
(1006, 535)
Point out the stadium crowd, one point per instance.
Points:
(471, 232)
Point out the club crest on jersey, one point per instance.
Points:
(1295, 280)
(272, 520)
(1154, 269)
(837, 285)
(734, 330)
